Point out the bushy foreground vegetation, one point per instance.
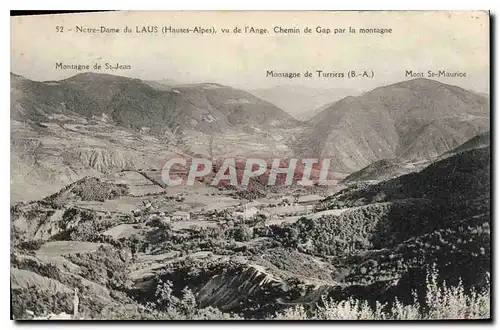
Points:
(440, 302)
(169, 307)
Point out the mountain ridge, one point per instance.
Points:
(134, 103)
(413, 119)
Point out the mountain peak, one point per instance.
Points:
(419, 83)
(135, 104)
(413, 119)
(92, 76)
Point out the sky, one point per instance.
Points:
(420, 41)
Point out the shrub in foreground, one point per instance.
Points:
(441, 302)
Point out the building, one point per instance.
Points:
(180, 216)
(309, 199)
(247, 213)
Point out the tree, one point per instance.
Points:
(164, 295)
(243, 233)
(188, 302)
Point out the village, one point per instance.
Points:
(273, 208)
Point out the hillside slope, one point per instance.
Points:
(479, 141)
(134, 104)
(412, 120)
(390, 168)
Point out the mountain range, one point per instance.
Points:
(135, 104)
(94, 124)
(89, 211)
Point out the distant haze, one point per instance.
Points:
(454, 41)
(303, 102)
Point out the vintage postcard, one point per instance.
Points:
(250, 165)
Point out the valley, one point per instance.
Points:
(408, 215)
